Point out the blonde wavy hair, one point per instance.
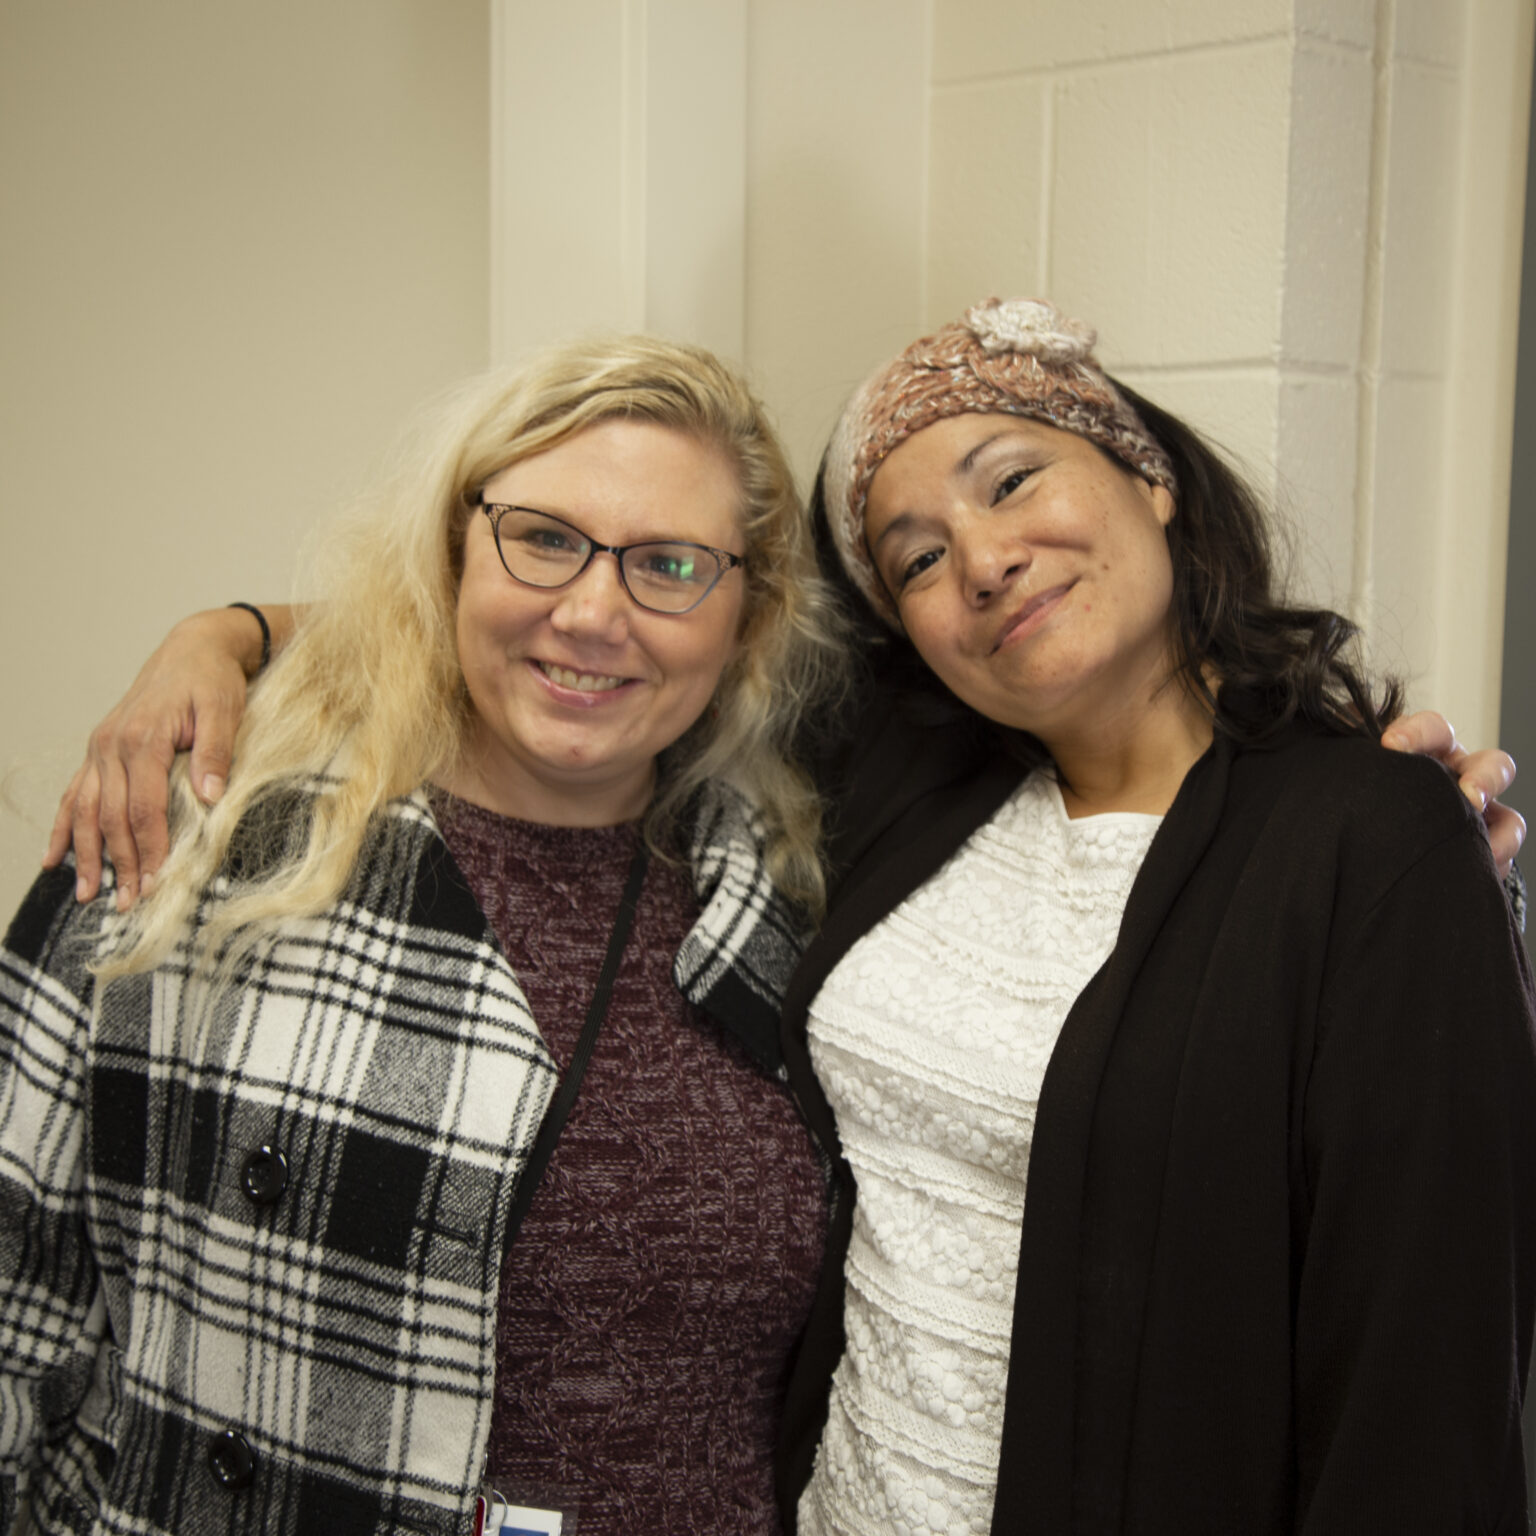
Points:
(367, 702)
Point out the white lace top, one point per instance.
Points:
(932, 1037)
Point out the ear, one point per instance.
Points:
(1162, 503)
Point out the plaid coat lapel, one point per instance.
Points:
(736, 962)
(294, 1195)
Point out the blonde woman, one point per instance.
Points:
(283, 1243)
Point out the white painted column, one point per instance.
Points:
(1485, 307)
(618, 170)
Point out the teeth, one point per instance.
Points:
(583, 682)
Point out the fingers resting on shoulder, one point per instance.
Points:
(190, 694)
(1483, 775)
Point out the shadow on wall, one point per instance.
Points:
(834, 286)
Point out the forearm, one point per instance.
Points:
(237, 632)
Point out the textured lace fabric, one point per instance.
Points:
(667, 1265)
(932, 1037)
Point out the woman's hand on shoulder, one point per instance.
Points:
(190, 694)
(1484, 775)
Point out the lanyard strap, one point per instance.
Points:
(554, 1120)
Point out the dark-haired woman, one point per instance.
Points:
(1178, 1037)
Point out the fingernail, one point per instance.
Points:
(1478, 798)
(147, 884)
(124, 898)
(80, 889)
(1394, 740)
(213, 787)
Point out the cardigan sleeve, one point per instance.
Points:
(50, 1313)
(1417, 1268)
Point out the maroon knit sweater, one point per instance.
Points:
(667, 1264)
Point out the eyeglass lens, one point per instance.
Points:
(670, 577)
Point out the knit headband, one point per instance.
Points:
(1021, 357)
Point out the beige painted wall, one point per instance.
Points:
(237, 244)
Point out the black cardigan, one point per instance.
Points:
(1278, 1266)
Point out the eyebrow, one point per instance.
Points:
(900, 523)
(968, 463)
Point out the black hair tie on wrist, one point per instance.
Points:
(266, 635)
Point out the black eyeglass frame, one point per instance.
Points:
(724, 560)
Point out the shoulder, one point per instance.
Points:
(1358, 782)
(406, 872)
(53, 934)
(1348, 800)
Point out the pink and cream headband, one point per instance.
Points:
(1021, 357)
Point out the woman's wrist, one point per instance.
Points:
(238, 633)
(232, 633)
(265, 654)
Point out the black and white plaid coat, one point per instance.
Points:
(249, 1254)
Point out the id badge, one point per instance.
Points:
(495, 1517)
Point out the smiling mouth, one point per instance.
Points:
(582, 682)
(1022, 621)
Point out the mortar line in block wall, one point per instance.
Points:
(1230, 368)
(1074, 68)
(1362, 586)
(1047, 210)
(925, 212)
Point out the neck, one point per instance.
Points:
(510, 791)
(1135, 762)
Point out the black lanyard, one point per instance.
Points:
(554, 1120)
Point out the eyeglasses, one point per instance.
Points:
(664, 575)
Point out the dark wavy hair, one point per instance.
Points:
(1276, 663)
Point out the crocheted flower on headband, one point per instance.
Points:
(1029, 325)
(1021, 357)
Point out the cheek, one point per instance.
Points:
(469, 629)
(485, 624)
(1140, 603)
(702, 666)
(719, 641)
(1157, 579)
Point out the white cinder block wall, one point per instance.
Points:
(1293, 221)
(1296, 221)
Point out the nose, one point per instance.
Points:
(595, 605)
(992, 558)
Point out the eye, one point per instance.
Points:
(547, 538)
(541, 540)
(1009, 483)
(669, 565)
(913, 566)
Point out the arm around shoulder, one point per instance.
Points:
(189, 696)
